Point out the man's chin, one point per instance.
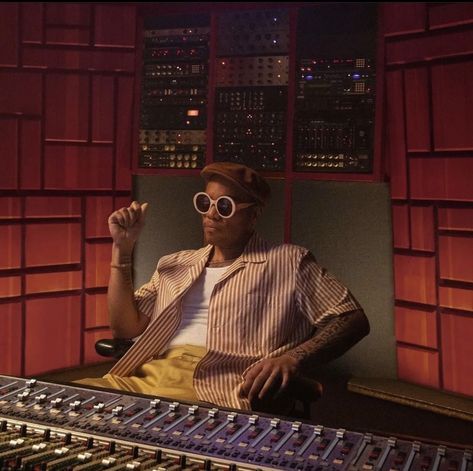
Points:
(209, 238)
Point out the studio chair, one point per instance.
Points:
(304, 390)
(113, 348)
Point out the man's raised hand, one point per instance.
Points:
(125, 224)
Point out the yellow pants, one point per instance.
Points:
(170, 375)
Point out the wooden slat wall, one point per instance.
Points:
(429, 151)
(67, 74)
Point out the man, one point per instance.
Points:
(233, 323)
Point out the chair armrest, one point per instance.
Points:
(115, 348)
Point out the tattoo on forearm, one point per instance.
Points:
(331, 340)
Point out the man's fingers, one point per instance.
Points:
(269, 384)
(249, 379)
(118, 218)
(285, 383)
(144, 209)
(258, 384)
(138, 211)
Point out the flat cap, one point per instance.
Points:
(245, 178)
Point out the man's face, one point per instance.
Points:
(227, 232)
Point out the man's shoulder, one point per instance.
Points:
(286, 250)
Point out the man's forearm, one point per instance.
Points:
(125, 320)
(332, 340)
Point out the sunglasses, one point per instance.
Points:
(224, 205)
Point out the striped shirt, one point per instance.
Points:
(271, 299)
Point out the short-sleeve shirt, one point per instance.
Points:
(271, 299)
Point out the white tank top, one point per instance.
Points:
(195, 308)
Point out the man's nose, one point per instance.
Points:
(212, 212)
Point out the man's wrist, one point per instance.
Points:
(121, 255)
(300, 355)
(297, 356)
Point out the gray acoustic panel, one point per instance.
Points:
(347, 226)
(271, 223)
(172, 224)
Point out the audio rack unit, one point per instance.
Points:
(334, 122)
(174, 98)
(246, 82)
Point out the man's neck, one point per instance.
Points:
(222, 254)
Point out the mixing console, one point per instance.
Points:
(53, 426)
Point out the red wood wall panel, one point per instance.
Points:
(102, 108)
(456, 258)
(395, 135)
(74, 167)
(452, 14)
(67, 36)
(63, 169)
(122, 202)
(453, 111)
(10, 207)
(10, 286)
(52, 244)
(416, 326)
(52, 206)
(432, 72)
(67, 107)
(422, 228)
(32, 22)
(97, 259)
(10, 247)
(404, 18)
(10, 346)
(417, 109)
(30, 154)
(440, 178)
(448, 44)
(457, 332)
(418, 366)
(98, 210)
(114, 25)
(71, 14)
(45, 320)
(21, 92)
(96, 310)
(123, 138)
(456, 219)
(401, 232)
(53, 282)
(414, 278)
(9, 34)
(90, 337)
(9, 153)
(456, 298)
(108, 61)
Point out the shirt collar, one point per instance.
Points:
(254, 251)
